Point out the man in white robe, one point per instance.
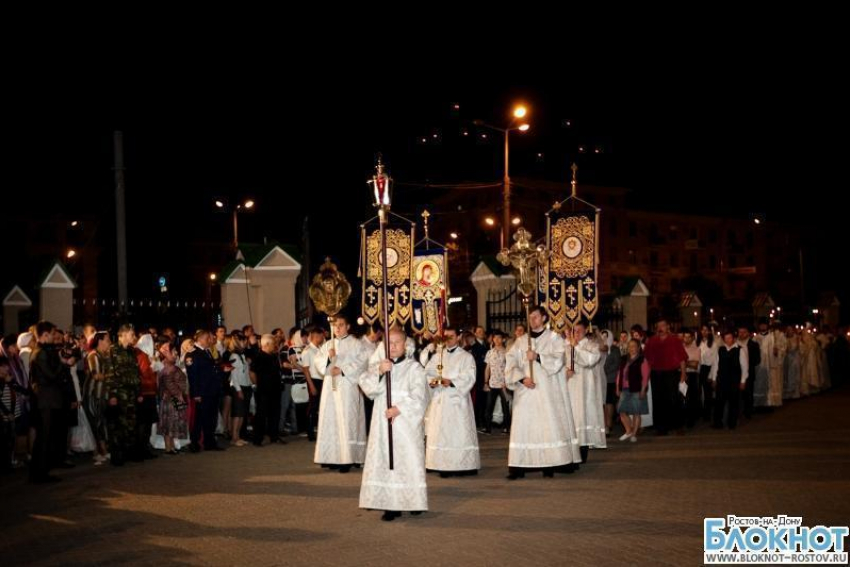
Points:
(341, 435)
(451, 446)
(403, 488)
(770, 372)
(542, 429)
(582, 359)
(370, 341)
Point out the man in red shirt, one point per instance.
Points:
(667, 359)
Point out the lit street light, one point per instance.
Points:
(519, 113)
(243, 206)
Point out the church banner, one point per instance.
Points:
(399, 271)
(571, 286)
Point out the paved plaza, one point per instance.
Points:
(632, 504)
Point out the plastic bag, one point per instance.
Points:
(81, 438)
(300, 393)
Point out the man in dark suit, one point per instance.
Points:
(479, 351)
(205, 389)
(49, 372)
(745, 341)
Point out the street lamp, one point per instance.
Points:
(517, 123)
(491, 222)
(243, 206)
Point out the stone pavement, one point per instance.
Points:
(632, 504)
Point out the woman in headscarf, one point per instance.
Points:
(26, 342)
(146, 410)
(173, 397)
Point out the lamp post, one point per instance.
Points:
(244, 206)
(517, 123)
(490, 221)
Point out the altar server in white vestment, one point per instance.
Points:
(585, 397)
(770, 373)
(341, 435)
(542, 429)
(403, 488)
(451, 446)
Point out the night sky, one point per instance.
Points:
(696, 146)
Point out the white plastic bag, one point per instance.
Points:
(81, 438)
(300, 393)
(498, 415)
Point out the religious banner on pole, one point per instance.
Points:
(430, 283)
(572, 237)
(430, 287)
(400, 233)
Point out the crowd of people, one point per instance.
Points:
(132, 398)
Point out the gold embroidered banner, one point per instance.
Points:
(571, 290)
(399, 272)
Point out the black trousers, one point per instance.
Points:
(694, 407)
(7, 444)
(48, 439)
(748, 394)
(666, 414)
(492, 396)
(146, 416)
(707, 391)
(313, 411)
(728, 393)
(267, 418)
(481, 402)
(368, 405)
(247, 392)
(206, 417)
